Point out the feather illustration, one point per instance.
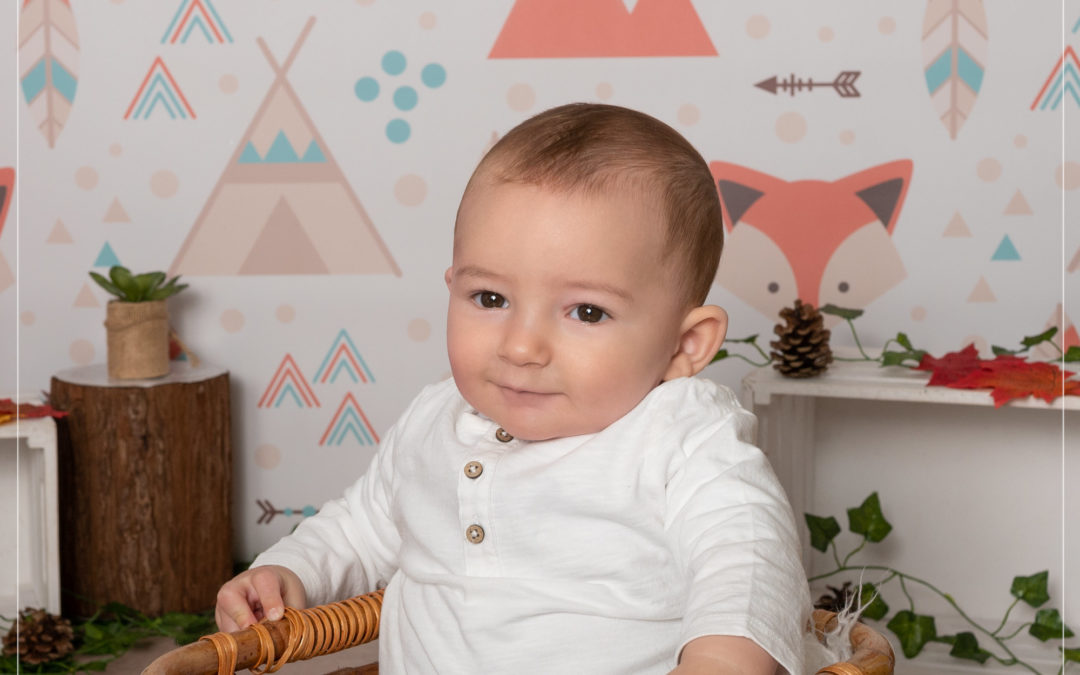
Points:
(49, 54)
(954, 57)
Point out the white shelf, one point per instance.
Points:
(29, 516)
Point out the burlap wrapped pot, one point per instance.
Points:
(137, 334)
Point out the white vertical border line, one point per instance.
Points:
(1061, 322)
(15, 11)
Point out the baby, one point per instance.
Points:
(574, 500)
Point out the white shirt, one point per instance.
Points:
(603, 553)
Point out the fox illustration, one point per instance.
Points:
(822, 242)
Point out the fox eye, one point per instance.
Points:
(773, 287)
(489, 300)
(843, 287)
(589, 314)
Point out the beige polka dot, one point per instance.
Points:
(988, 169)
(981, 345)
(757, 26)
(285, 313)
(918, 313)
(419, 330)
(604, 91)
(791, 127)
(428, 20)
(886, 25)
(28, 318)
(164, 183)
(86, 177)
(689, 114)
(228, 83)
(116, 150)
(521, 97)
(847, 136)
(1067, 176)
(1020, 141)
(410, 190)
(826, 34)
(81, 352)
(232, 320)
(267, 456)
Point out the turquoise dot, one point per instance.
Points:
(433, 75)
(366, 89)
(288, 511)
(309, 511)
(405, 98)
(398, 130)
(393, 62)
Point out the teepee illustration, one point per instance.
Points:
(282, 204)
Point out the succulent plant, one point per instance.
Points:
(147, 287)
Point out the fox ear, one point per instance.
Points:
(882, 188)
(739, 189)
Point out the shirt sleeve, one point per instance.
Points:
(351, 545)
(733, 531)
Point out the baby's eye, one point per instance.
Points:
(489, 300)
(589, 314)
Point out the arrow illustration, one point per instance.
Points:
(268, 511)
(844, 84)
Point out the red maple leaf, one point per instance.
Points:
(1012, 378)
(951, 367)
(8, 407)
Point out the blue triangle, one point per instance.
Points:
(107, 258)
(281, 151)
(314, 153)
(1006, 250)
(250, 155)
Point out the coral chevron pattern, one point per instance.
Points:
(349, 420)
(288, 383)
(1063, 80)
(192, 14)
(343, 356)
(49, 56)
(954, 58)
(159, 87)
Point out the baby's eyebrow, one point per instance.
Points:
(476, 271)
(602, 287)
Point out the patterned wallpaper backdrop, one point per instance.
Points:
(300, 164)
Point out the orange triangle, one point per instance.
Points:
(283, 247)
(59, 234)
(86, 298)
(116, 213)
(982, 292)
(956, 227)
(1066, 337)
(1018, 206)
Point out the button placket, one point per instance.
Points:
(478, 469)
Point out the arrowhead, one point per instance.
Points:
(768, 85)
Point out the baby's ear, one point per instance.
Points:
(700, 336)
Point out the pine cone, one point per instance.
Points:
(803, 347)
(39, 637)
(839, 600)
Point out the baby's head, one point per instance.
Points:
(585, 245)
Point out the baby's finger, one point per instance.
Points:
(232, 611)
(268, 587)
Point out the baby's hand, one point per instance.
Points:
(257, 593)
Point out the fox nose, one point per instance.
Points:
(524, 343)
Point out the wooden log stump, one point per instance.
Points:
(145, 483)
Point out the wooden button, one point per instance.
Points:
(474, 469)
(503, 437)
(475, 534)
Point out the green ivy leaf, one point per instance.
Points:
(1072, 354)
(876, 609)
(965, 646)
(868, 521)
(902, 338)
(751, 339)
(1031, 590)
(1070, 654)
(914, 631)
(720, 356)
(1033, 340)
(842, 312)
(891, 358)
(1001, 351)
(822, 531)
(1048, 626)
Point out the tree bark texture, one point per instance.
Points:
(145, 477)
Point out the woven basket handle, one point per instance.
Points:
(265, 647)
(873, 653)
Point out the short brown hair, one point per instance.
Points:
(592, 147)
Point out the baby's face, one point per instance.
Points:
(563, 314)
